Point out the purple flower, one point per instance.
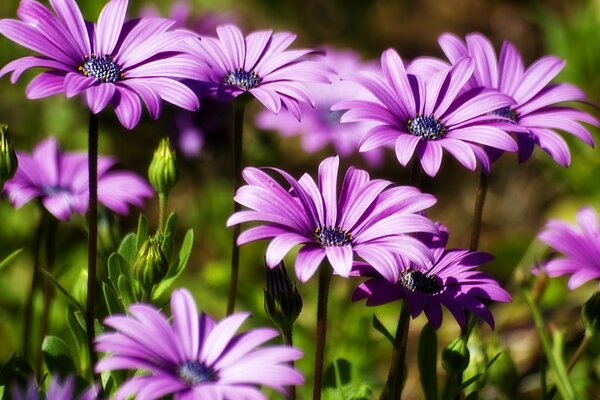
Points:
(536, 114)
(450, 280)
(428, 114)
(112, 61)
(193, 357)
(580, 245)
(319, 125)
(56, 391)
(260, 65)
(368, 219)
(60, 180)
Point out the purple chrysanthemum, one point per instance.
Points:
(60, 180)
(536, 112)
(451, 280)
(319, 125)
(260, 65)
(57, 390)
(193, 357)
(580, 246)
(428, 114)
(368, 219)
(112, 61)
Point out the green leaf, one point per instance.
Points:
(57, 356)
(76, 325)
(379, 327)
(340, 382)
(128, 247)
(117, 266)
(474, 378)
(10, 257)
(113, 304)
(126, 291)
(142, 231)
(170, 224)
(61, 289)
(428, 362)
(167, 246)
(173, 274)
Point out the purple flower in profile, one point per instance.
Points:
(260, 65)
(320, 126)
(537, 112)
(426, 115)
(57, 390)
(60, 180)
(193, 357)
(368, 219)
(580, 246)
(112, 61)
(450, 280)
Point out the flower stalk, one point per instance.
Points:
(395, 381)
(482, 188)
(324, 283)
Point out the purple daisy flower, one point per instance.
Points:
(368, 219)
(260, 65)
(428, 114)
(57, 390)
(537, 112)
(580, 246)
(450, 280)
(112, 61)
(193, 357)
(319, 125)
(60, 180)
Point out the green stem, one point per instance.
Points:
(395, 381)
(482, 187)
(239, 106)
(324, 283)
(162, 210)
(92, 235)
(289, 340)
(583, 345)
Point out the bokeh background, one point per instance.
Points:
(521, 197)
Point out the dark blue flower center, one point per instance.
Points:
(426, 127)
(194, 372)
(506, 112)
(331, 117)
(104, 69)
(332, 236)
(54, 190)
(416, 281)
(242, 79)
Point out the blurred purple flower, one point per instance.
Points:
(450, 280)
(193, 357)
(580, 245)
(56, 391)
(112, 61)
(428, 114)
(260, 65)
(368, 219)
(319, 125)
(536, 114)
(60, 180)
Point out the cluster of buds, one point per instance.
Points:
(151, 264)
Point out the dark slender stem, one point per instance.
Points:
(324, 281)
(583, 345)
(482, 187)
(162, 211)
(92, 235)
(239, 106)
(289, 340)
(395, 381)
(415, 173)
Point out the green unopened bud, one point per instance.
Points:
(8, 158)
(591, 315)
(282, 300)
(150, 265)
(455, 356)
(502, 373)
(477, 364)
(162, 172)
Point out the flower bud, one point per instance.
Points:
(282, 300)
(455, 356)
(477, 363)
(150, 265)
(8, 158)
(163, 172)
(502, 373)
(591, 315)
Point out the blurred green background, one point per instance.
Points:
(521, 197)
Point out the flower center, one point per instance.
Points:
(194, 372)
(416, 281)
(332, 236)
(506, 112)
(54, 190)
(426, 127)
(242, 79)
(104, 69)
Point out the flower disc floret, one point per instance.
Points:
(426, 127)
(242, 79)
(417, 281)
(332, 236)
(195, 372)
(104, 69)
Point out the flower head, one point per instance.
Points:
(537, 112)
(57, 390)
(450, 280)
(260, 65)
(113, 61)
(60, 180)
(368, 219)
(428, 114)
(194, 356)
(579, 245)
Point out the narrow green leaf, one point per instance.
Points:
(113, 304)
(428, 362)
(173, 274)
(77, 329)
(10, 257)
(167, 246)
(128, 247)
(57, 356)
(117, 266)
(474, 378)
(382, 329)
(171, 224)
(142, 231)
(61, 289)
(126, 291)
(340, 382)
